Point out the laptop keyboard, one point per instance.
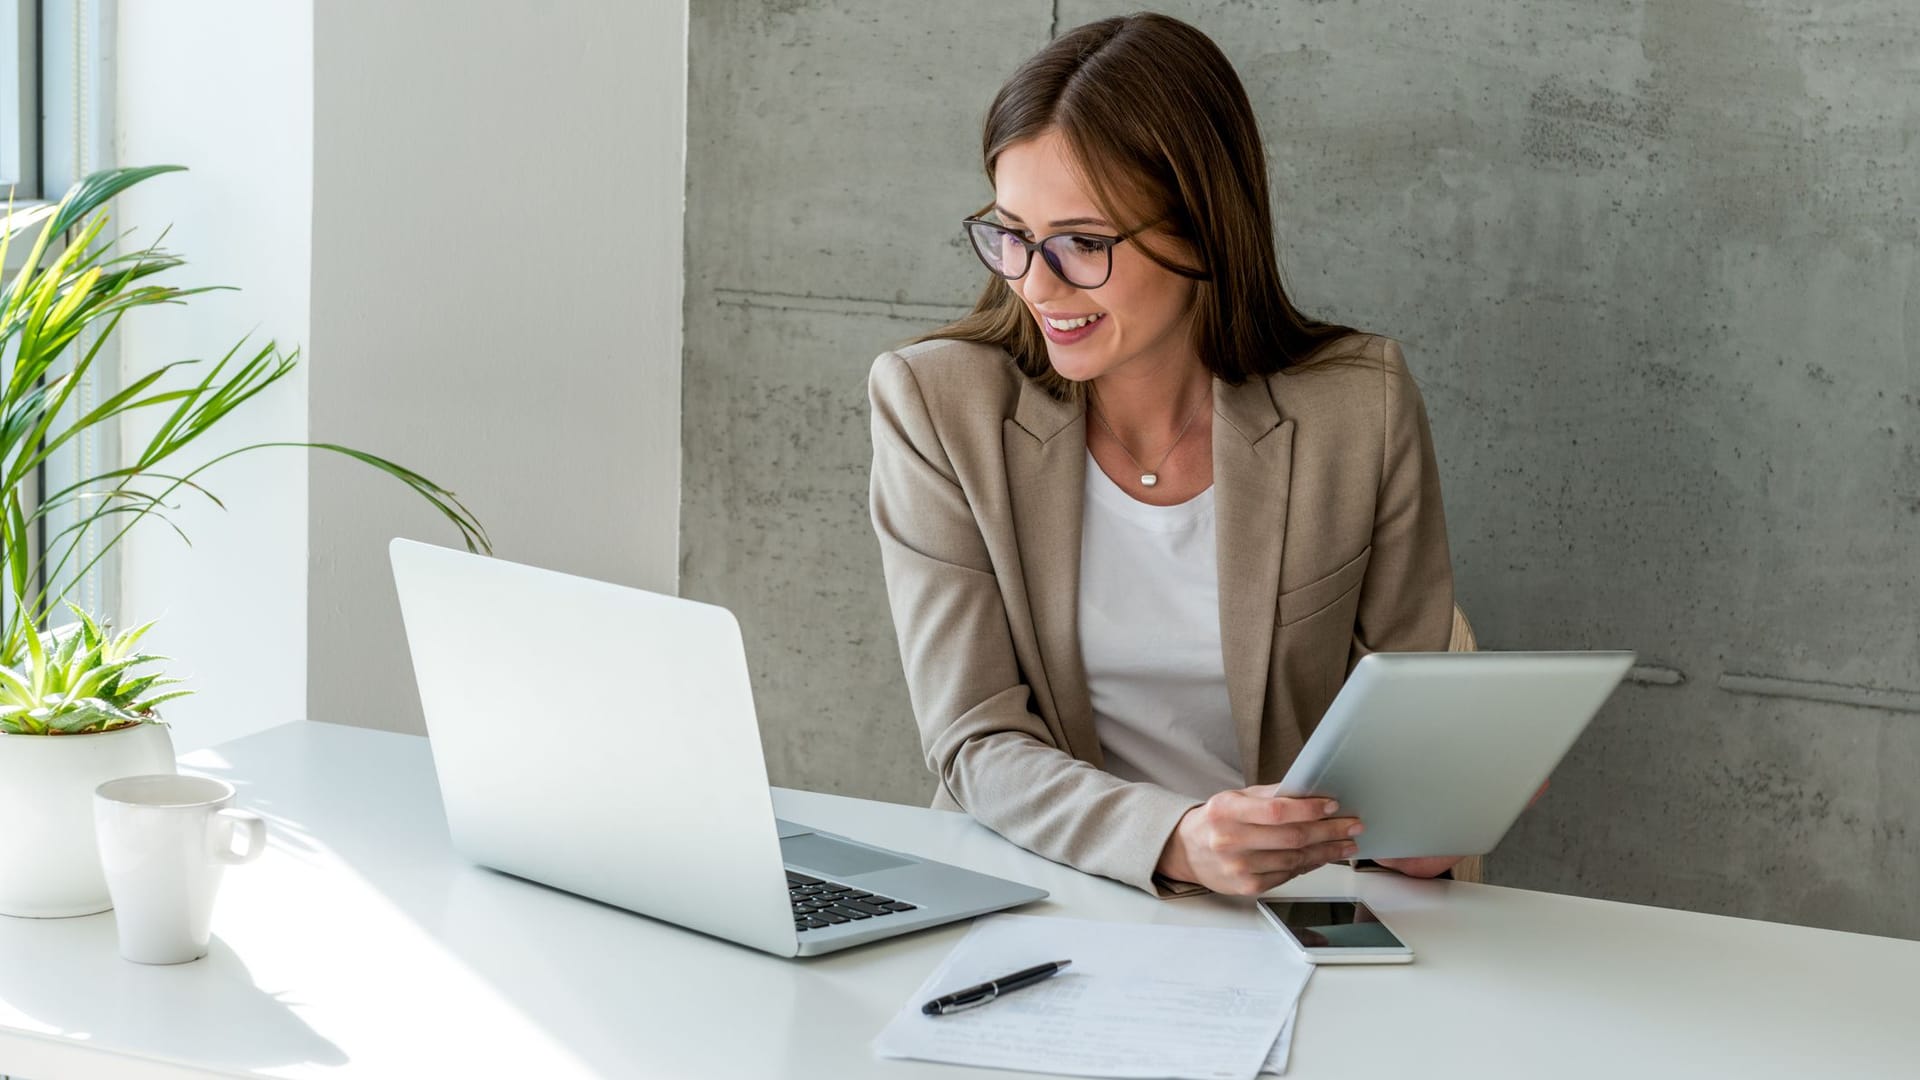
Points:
(818, 903)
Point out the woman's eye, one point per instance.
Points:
(1086, 245)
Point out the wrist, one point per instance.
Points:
(1174, 863)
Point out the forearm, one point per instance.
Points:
(1065, 809)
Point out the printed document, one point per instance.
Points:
(1140, 1001)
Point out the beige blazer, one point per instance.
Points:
(1331, 544)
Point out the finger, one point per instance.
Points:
(1254, 836)
(1300, 860)
(1256, 804)
(1255, 884)
(1423, 867)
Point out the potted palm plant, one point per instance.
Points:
(78, 703)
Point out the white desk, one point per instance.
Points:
(360, 945)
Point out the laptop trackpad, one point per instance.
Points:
(830, 856)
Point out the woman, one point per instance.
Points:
(1138, 515)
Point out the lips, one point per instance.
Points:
(1067, 323)
(1067, 329)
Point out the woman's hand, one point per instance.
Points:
(1429, 867)
(1247, 841)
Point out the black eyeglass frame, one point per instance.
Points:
(1053, 261)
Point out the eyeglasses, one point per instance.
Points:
(1082, 260)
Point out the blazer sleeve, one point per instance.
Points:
(1406, 598)
(994, 756)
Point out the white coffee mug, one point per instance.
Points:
(164, 841)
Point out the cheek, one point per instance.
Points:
(1147, 309)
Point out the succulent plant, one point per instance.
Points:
(80, 678)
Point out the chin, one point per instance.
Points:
(1077, 365)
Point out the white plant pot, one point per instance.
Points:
(49, 861)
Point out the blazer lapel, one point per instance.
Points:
(1046, 454)
(1252, 469)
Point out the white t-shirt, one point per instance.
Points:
(1150, 638)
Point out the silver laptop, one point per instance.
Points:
(602, 739)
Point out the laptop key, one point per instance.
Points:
(871, 909)
(850, 911)
(801, 879)
(899, 906)
(832, 917)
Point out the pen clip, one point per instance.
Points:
(975, 1002)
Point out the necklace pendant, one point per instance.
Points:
(1149, 479)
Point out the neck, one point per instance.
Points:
(1146, 400)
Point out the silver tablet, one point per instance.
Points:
(1438, 753)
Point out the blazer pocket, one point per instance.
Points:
(1316, 596)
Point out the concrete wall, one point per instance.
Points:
(1655, 264)
(497, 198)
(232, 607)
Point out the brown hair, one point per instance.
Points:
(1160, 124)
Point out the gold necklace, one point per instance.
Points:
(1148, 477)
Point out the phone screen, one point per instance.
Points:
(1333, 924)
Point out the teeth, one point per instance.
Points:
(1074, 324)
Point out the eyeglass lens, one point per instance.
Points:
(1083, 262)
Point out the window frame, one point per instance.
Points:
(72, 90)
(20, 108)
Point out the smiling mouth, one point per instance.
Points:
(1074, 323)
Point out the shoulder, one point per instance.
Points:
(950, 378)
(1351, 364)
(1349, 379)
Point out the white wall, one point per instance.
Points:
(497, 261)
(226, 88)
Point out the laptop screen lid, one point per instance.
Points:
(597, 738)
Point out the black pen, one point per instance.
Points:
(987, 991)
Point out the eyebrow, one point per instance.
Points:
(1062, 224)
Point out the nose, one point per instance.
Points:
(1041, 285)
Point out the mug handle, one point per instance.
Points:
(228, 822)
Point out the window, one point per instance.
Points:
(20, 98)
(56, 127)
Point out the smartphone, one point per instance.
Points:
(1335, 930)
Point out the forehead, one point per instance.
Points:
(1038, 179)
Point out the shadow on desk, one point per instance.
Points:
(64, 977)
(503, 969)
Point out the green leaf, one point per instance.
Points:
(78, 291)
(128, 640)
(96, 188)
(38, 653)
(147, 705)
(63, 656)
(91, 714)
(90, 683)
(17, 541)
(15, 689)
